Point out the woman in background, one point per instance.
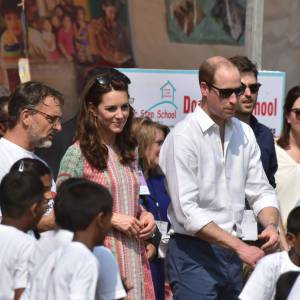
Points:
(288, 154)
(150, 136)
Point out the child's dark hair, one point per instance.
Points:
(78, 202)
(284, 284)
(293, 221)
(18, 191)
(31, 165)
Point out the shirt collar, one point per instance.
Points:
(206, 122)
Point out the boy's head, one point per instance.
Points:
(11, 13)
(293, 229)
(22, 198)
(79, 203)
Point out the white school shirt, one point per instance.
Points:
(16, 248)
(10, 153)
(206, 185)
(262, 283)
(70, 272)
(109, 285)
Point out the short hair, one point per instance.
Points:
(18, 191)
(29, 95)
(284, 284)
(10, 7)
(244, 64)
(210, 66)
(78, 202)
(31, 165)
(293, 221)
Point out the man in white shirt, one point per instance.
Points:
(35, 112)
(212, 162)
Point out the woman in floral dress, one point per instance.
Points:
(105, 152)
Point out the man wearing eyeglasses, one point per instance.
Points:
(212, 162)
(34, 116)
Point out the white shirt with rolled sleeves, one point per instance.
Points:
(206, 185)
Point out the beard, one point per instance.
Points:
(36, 140)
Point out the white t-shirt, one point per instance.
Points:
(109, 285)
(10, 153)
(16, 248)
(70, 272)
(262, 283)
(47, 244)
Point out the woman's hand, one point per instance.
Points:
(148, 225)
(129, 225)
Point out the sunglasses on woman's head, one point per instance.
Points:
(109, 78)
(297, 112)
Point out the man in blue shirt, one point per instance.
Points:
(245, 107)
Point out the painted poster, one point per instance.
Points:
(206, 21)
(86, 32)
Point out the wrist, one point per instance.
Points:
(274, 225)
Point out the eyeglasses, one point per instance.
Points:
(109, 78)
(226, 93)
(254, 87)
(52, 120)
(297, 113)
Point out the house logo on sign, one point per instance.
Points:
(167, 96)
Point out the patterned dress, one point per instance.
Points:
(122, 181)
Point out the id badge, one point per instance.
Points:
(249, 226)
(144, 190)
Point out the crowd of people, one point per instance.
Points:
(141, 212)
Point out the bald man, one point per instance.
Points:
(212, 162)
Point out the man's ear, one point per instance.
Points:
(25, 117)
(290, 237)
(34, 210)
(204, 88)
(104, 220)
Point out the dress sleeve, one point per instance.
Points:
(71, 164)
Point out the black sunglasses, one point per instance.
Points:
(254, 87)
(226, 93)
(297, 112)
(109, 78)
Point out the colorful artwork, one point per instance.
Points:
(207, 21)
(91, 32)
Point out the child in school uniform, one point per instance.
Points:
(262, 283)
(71, 271)
(22, 204)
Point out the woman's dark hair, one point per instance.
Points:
(89, 130)
(291, 97)
(293, 221)
(30, 165)
(18, 191)
(79, 201)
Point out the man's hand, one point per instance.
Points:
(249, 254)
(148, 225)
(271, 236)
